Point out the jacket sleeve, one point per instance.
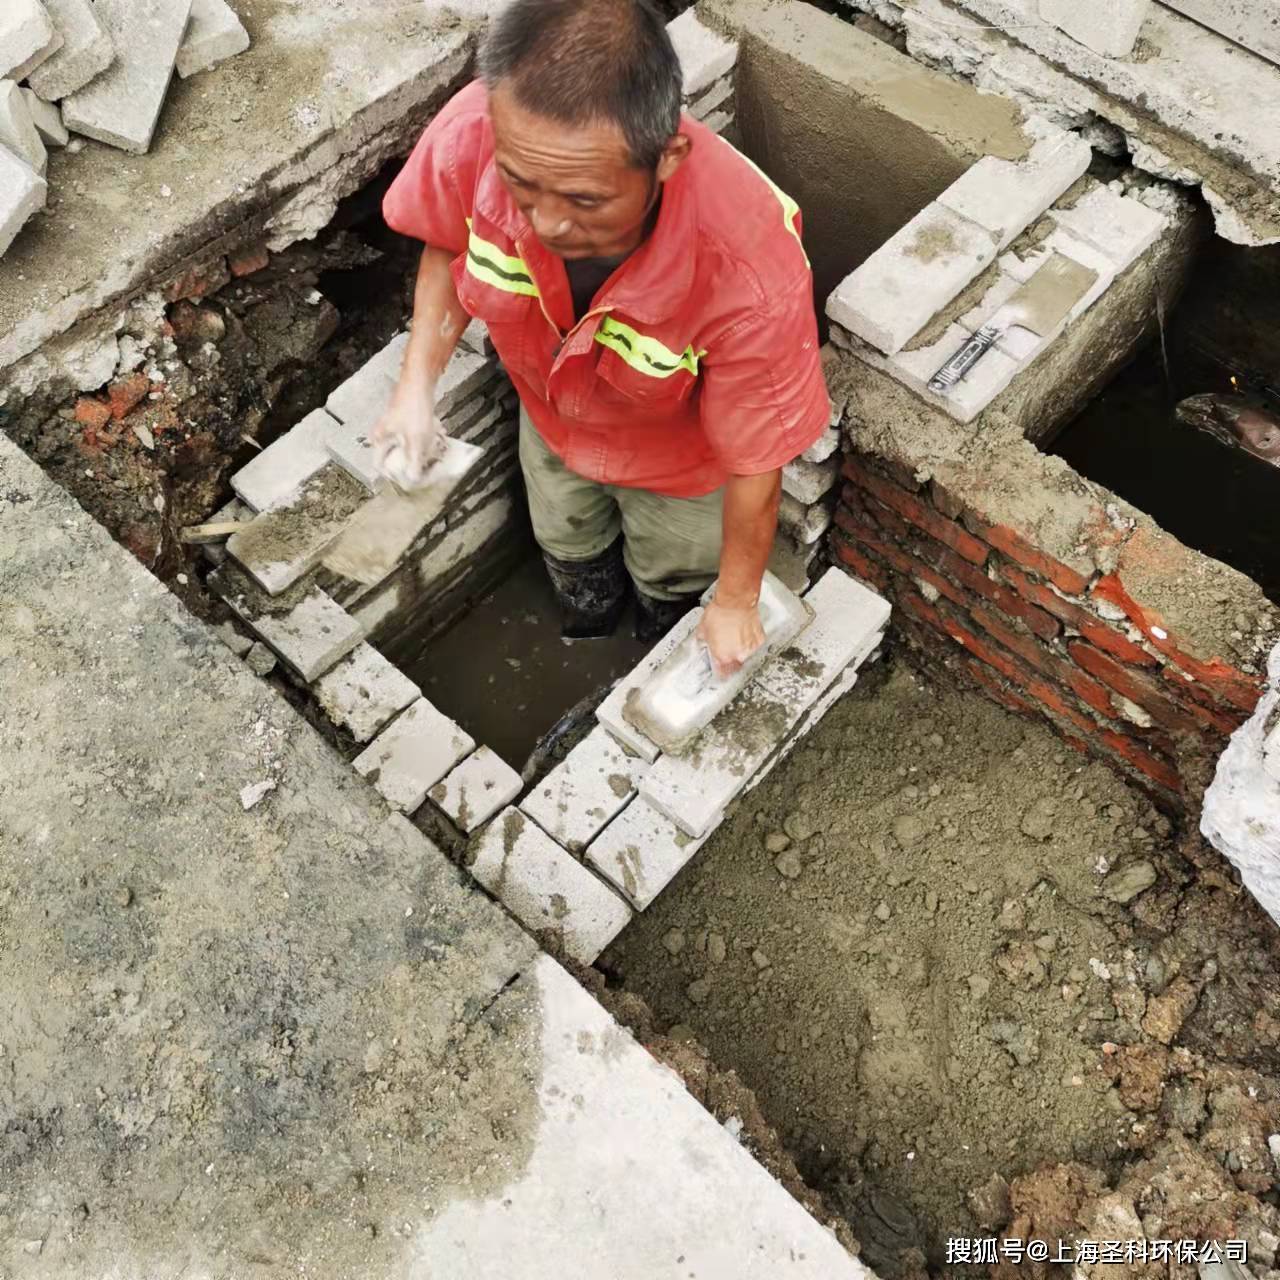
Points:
(764, 398)
(432, 195)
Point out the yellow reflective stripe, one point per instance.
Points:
(645, 353)
(488, 263)
(790, 210)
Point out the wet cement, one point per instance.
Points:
(504, 673)
(1215, 498)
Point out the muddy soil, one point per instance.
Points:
(978, 984)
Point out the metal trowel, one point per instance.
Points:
(1032, 314)
(684, 694)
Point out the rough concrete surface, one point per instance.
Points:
(327, 92)
(861, 136)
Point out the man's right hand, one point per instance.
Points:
(408, 435)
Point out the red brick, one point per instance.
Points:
(1006, 697)
(1140, 690)
(905, 564)
(1224, 680)
(917, 512)
(198, 281)
(125, 394)
(1158, 770)
(939, 621)
(1035, 619)
(1193, 695)
(1087, 624)
(244, 262)
(859, 563)
(1016, 547)
(92, 412)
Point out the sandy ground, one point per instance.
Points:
(946, 953)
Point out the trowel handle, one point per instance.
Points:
(959, 366)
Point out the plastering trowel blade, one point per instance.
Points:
(683, 695)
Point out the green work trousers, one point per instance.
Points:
(671, 546)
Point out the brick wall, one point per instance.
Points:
(1086, 650)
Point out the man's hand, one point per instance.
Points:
(408, 437)
(731, 635)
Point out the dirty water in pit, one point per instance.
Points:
(504, 673)
(943, 949)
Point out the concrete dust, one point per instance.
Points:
(947, 953)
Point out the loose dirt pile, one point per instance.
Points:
(978, 986)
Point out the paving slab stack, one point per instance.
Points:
(708, 61)
(97, 68)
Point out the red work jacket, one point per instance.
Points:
(698, 358)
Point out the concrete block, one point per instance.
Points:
(364, 691)
(22, 192)
(575, 801)
(789, 562)
(309, 636)
(1108, 27)
(285, 465)
(473, 792)
(39, 58)
(363, 398)
(805, 524)
(609, 712)
(719, 121)
(282, 544)
(475, 338)
(47, 119)
(1006, 196)
(545, 888)
(641, 851)
(86, 51)
(704, 54)
(25, 33)
(352, 450)
(1117, 226)
(412, 754)
(1252, 23)
(625, 1173)
(692, 790)
(214, 34)
(122, 106)
(465, 373)
(809, 482)
(18, 131)
(824, 446)
(907, 281)
(716, 96)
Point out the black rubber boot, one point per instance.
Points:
(592, 593)
(654, 617)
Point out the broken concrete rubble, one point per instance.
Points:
(86, 51)
(214, 33)
(22, 193)
(25, 34)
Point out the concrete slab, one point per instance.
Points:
(85, 52)
(808, 482)
(544, 888)
(1252, 23)
(825, 445)
(1118, 226)
(907, 281)
(282, 544)
(805, 524)
(705, 55)
(692, 790)
(22, 192)
(309, 634)
(641, 851)
(716, 96)
(18, 131)
(327, 94)
(122, 106)
(473, 792)
(285, 465)
(321, 954)
(629, 1176)
(214, 33)
(47, 119)
(584, 792)
(25, 32)
(1108, 27)
(364, 691)
(410, 756)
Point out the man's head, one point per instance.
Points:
(585, 100)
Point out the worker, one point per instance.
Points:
(645, 288)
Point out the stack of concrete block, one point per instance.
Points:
(615, 822)
(100, 68)
(708, 62)
(918, 298)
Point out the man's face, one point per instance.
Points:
(576, 185)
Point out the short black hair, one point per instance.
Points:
(582, 61)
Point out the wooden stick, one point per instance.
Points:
(219, 531)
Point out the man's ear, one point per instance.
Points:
(674, 154)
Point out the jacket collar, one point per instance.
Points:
(654, 281)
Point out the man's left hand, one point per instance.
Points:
(731, 635)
